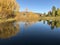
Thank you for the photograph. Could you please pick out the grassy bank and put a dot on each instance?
(7, 20)
(29, 19)
(49, 18)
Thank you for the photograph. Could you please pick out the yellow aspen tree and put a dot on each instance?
(8, 8)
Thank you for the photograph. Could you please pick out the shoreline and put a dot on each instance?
(7, 20)
(49, 18)
(40, 18)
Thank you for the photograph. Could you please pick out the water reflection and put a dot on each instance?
(34, 32)
(8, 30)
(53, 24)
(28, 24)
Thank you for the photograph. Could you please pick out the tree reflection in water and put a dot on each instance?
(54, 23)
(28, 24)
(8, 30)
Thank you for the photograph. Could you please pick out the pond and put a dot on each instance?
(37, 33)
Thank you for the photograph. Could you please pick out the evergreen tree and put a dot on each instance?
(53, 10)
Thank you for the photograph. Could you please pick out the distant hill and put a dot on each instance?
(29, 12)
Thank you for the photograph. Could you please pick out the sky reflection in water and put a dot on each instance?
(30, 32)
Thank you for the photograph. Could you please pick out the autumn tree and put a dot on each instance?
(8, 8)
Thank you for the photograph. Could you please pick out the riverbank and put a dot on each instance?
(7, 20)
(49, 18)
(29, 19)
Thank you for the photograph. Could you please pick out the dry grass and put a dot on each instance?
(27, 18)
(7, 20)
(49, 18)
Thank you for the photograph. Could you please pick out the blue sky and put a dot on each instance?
(39, 6)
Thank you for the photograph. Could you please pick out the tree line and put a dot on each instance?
(55, 12)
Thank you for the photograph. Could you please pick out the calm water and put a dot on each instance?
(28, 33)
